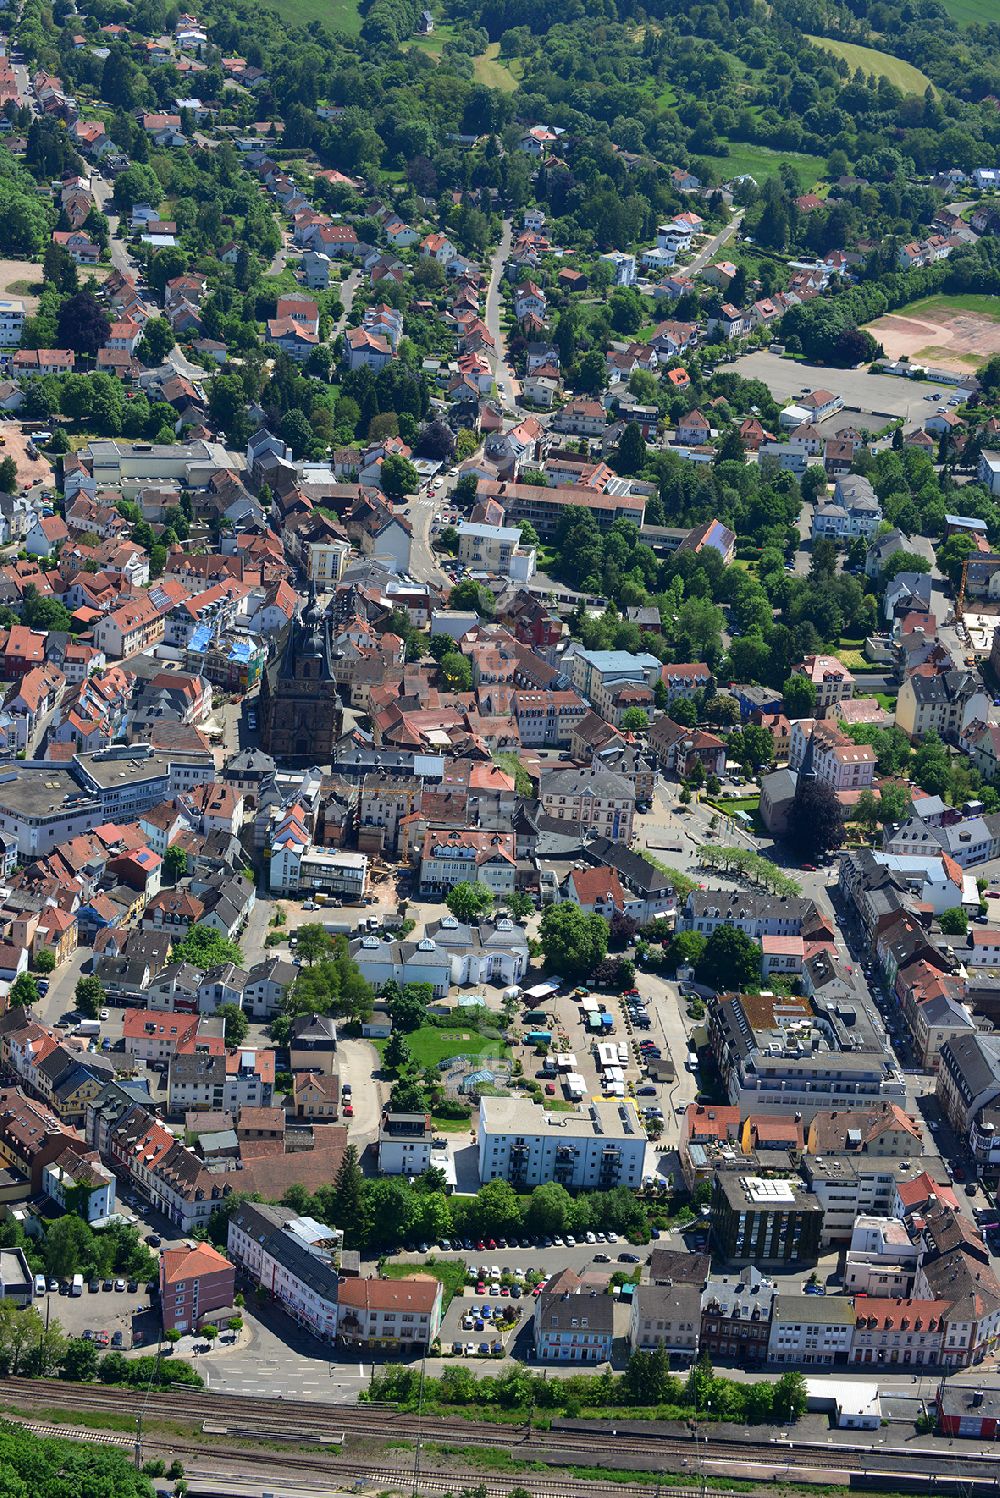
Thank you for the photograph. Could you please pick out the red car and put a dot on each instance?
(103, 1339)
(348, 1110)
(630, 993)
(550, 1089)
(809, 868)
(491, 1243)
(480, 1246)
(480, 1288)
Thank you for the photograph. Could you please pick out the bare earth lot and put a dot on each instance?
(945, 337)
(15, 275)
(15, 445)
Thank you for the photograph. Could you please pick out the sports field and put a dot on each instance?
(874, 63)
(947, 332)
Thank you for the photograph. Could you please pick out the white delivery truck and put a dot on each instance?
(76, 1288)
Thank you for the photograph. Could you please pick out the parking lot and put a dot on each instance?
(123, 1316)
(866, 394)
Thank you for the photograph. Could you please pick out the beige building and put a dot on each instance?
(830, 677)
(945, 702)
(665, 1316)
(590, 798)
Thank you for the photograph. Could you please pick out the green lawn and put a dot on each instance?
(970, 301)
(451, 1273)
(874, 63)
(339, 15)
(429, 1045)
(972, 12)
(488, 69)
(760, 162)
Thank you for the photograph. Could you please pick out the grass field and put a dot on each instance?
(339, 15)
(760, 162)
(876, 64)
(429, 1045)
(451, 1273)
(492, 73)
(933, 306)
(972, 12)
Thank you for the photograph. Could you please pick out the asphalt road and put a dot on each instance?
(424, 566)
(714, 245)
(506, 384)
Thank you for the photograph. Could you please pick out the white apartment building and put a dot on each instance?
(811, 1331)
(598, 1147)
(295, 1259)
(11, 322)
(881, 1259)
(496, 549)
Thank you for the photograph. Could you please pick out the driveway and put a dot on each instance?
(357, 1063)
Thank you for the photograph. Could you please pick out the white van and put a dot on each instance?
(39, 1284)
(76, 1288)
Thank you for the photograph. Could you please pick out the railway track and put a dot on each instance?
(390, 1477)
(571, 1443)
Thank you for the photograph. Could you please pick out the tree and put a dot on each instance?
(350, 1209)
(203, 948)
(408, 1007)
(573, 943)
(8, 475)
(456, 672)
(895, 803)
(237, 1025)
(79, 1361)
(68, 1245)
(175, 863)
(45, 961)
(209, 1332)
(156, 342)
(731, 960)
(90, 996)
(800, 696)
(314, 943)
(549, 1211)
(436, 441)
(23, 991)
(469, 595)
(686, 949)
(789, 1397)
(519, 904)
(815, 820)
(468, 902)
(954, 922)
(82, 324)
(931, 766)
(634, 720)
(138, 183)
(397, 1054)
(399, 477)
(630, 454)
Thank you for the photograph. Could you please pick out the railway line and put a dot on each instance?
(566, 1443)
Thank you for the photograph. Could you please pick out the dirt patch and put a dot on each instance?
(957, 340)
(15, 445)
(15, 276)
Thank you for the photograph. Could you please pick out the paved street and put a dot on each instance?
(507, 385)
(714, 245)
(423, 562)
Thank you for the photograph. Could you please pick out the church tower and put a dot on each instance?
(300, 714)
